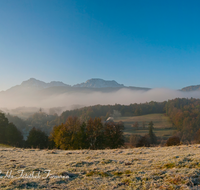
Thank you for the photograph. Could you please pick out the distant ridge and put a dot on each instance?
(91, 84)
(94, 84)
(99, 83)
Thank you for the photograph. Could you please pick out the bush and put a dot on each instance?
(134, 140)
(144, 141)
(173, 141)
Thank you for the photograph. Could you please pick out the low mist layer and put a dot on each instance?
(76, 100)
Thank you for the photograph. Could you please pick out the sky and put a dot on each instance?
(146, 43)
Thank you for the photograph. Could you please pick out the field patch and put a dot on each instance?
(162, 125)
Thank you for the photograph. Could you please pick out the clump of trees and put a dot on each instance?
(185, 116)
(74, 134)
(9, 134)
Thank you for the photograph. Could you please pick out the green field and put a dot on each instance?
(162, 125)
(5, 146)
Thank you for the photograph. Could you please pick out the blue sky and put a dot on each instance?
(147, 43)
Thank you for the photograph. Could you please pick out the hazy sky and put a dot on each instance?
(138, 43)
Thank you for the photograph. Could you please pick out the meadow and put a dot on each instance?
(162, 125)
(142, 168)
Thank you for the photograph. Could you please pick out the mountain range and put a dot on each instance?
(90, 85)
(94, 84)
(36, 93)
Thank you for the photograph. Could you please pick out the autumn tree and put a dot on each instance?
(70, 135)
(114, 134)
(95, 133)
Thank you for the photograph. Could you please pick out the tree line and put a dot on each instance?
(185, 116)
(105, 111)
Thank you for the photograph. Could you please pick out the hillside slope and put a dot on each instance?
(191, 88)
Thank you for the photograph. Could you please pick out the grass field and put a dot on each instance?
(162, 124)
(161, 168)
(5, 146)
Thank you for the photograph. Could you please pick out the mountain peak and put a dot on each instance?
(32, 82)
(99, 83)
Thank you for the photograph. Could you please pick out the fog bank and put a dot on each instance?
(74, 100)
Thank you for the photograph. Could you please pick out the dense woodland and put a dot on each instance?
(9, 134)
(77, 124)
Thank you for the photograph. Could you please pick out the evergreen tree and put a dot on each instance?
(13, 135)
(37, 139)
(152, 136)
(9, 134)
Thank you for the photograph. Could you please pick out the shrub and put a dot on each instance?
(134, 140)
(173, 141)
(144, 141)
